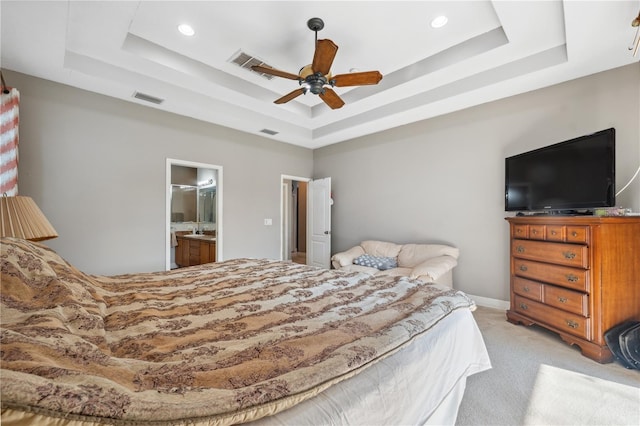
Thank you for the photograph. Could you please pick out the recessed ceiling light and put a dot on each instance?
(186, 29)
(439, 21)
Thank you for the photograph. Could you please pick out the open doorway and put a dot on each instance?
(294, 219)
(306, 220)
(194, 209)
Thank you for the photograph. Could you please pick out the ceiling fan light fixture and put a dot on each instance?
(305, 71)
(186, 30)
(439, 21)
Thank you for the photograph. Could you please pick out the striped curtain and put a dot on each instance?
(9, 142)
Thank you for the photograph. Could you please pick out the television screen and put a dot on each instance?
(571, 175)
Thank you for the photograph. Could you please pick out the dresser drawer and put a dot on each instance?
(561, 320)
(556, 232)
(562, 254)
(527, 288)
(574, 278)
(521, 231)
(568, 300)
(537, 232)
(577, 234)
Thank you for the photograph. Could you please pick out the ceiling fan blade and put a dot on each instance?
(277, 73)
(357, 78)
(323, 57)
(289, 96)
(331, 98)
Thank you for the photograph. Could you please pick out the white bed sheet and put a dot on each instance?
(423, 383)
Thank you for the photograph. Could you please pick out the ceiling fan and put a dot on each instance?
(316, 77)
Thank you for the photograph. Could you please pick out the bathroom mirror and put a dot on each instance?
(184, 203)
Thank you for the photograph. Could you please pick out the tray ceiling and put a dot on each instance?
(487, 51)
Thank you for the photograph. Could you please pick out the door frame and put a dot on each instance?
(173, 161)
(283, 225)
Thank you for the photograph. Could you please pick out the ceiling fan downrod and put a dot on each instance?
(315, 25)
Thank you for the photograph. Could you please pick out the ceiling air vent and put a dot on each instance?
(246, 61)
(147, 98)
(269, 132)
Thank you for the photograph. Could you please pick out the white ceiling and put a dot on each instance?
(487, 51)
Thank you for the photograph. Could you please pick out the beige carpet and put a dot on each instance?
(537, 379)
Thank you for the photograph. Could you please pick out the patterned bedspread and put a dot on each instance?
(221, 343)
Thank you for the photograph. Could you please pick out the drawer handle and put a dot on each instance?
(526, 289)
(523, 268)
(523, 306)
(553, 232)
(520, 249)
(572, 278)
(569, 255)
(572, 324)
(574, 234)
(562, 299)
(533, 231)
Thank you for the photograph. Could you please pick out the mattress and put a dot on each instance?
(423, 383)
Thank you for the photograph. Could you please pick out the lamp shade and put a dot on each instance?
(21, 218)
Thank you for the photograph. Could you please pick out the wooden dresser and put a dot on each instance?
(576, 275)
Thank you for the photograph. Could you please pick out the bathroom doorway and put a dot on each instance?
(193, 205)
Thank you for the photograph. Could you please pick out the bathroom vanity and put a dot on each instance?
(195, 249)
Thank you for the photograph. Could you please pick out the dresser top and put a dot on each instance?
(577, 220)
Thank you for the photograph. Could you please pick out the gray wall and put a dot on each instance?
(442, 180)
(96, 167)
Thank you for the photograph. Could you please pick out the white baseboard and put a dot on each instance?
(490, 303)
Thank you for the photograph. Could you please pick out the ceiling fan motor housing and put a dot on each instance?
(315, 82)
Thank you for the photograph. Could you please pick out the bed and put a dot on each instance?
(241, 341)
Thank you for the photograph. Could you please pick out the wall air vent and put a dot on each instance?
(147, 98)
(269, 132)
(246, 61)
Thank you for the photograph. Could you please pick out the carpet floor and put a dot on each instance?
(537, 379)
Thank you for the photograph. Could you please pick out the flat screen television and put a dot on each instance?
(566, 177)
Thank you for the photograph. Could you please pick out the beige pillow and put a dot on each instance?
(413, 254)
(434, 268)
(381, 248)
(346, 257)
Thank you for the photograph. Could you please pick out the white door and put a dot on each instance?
(319, 223)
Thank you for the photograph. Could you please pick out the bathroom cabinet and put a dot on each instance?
(195, 249)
